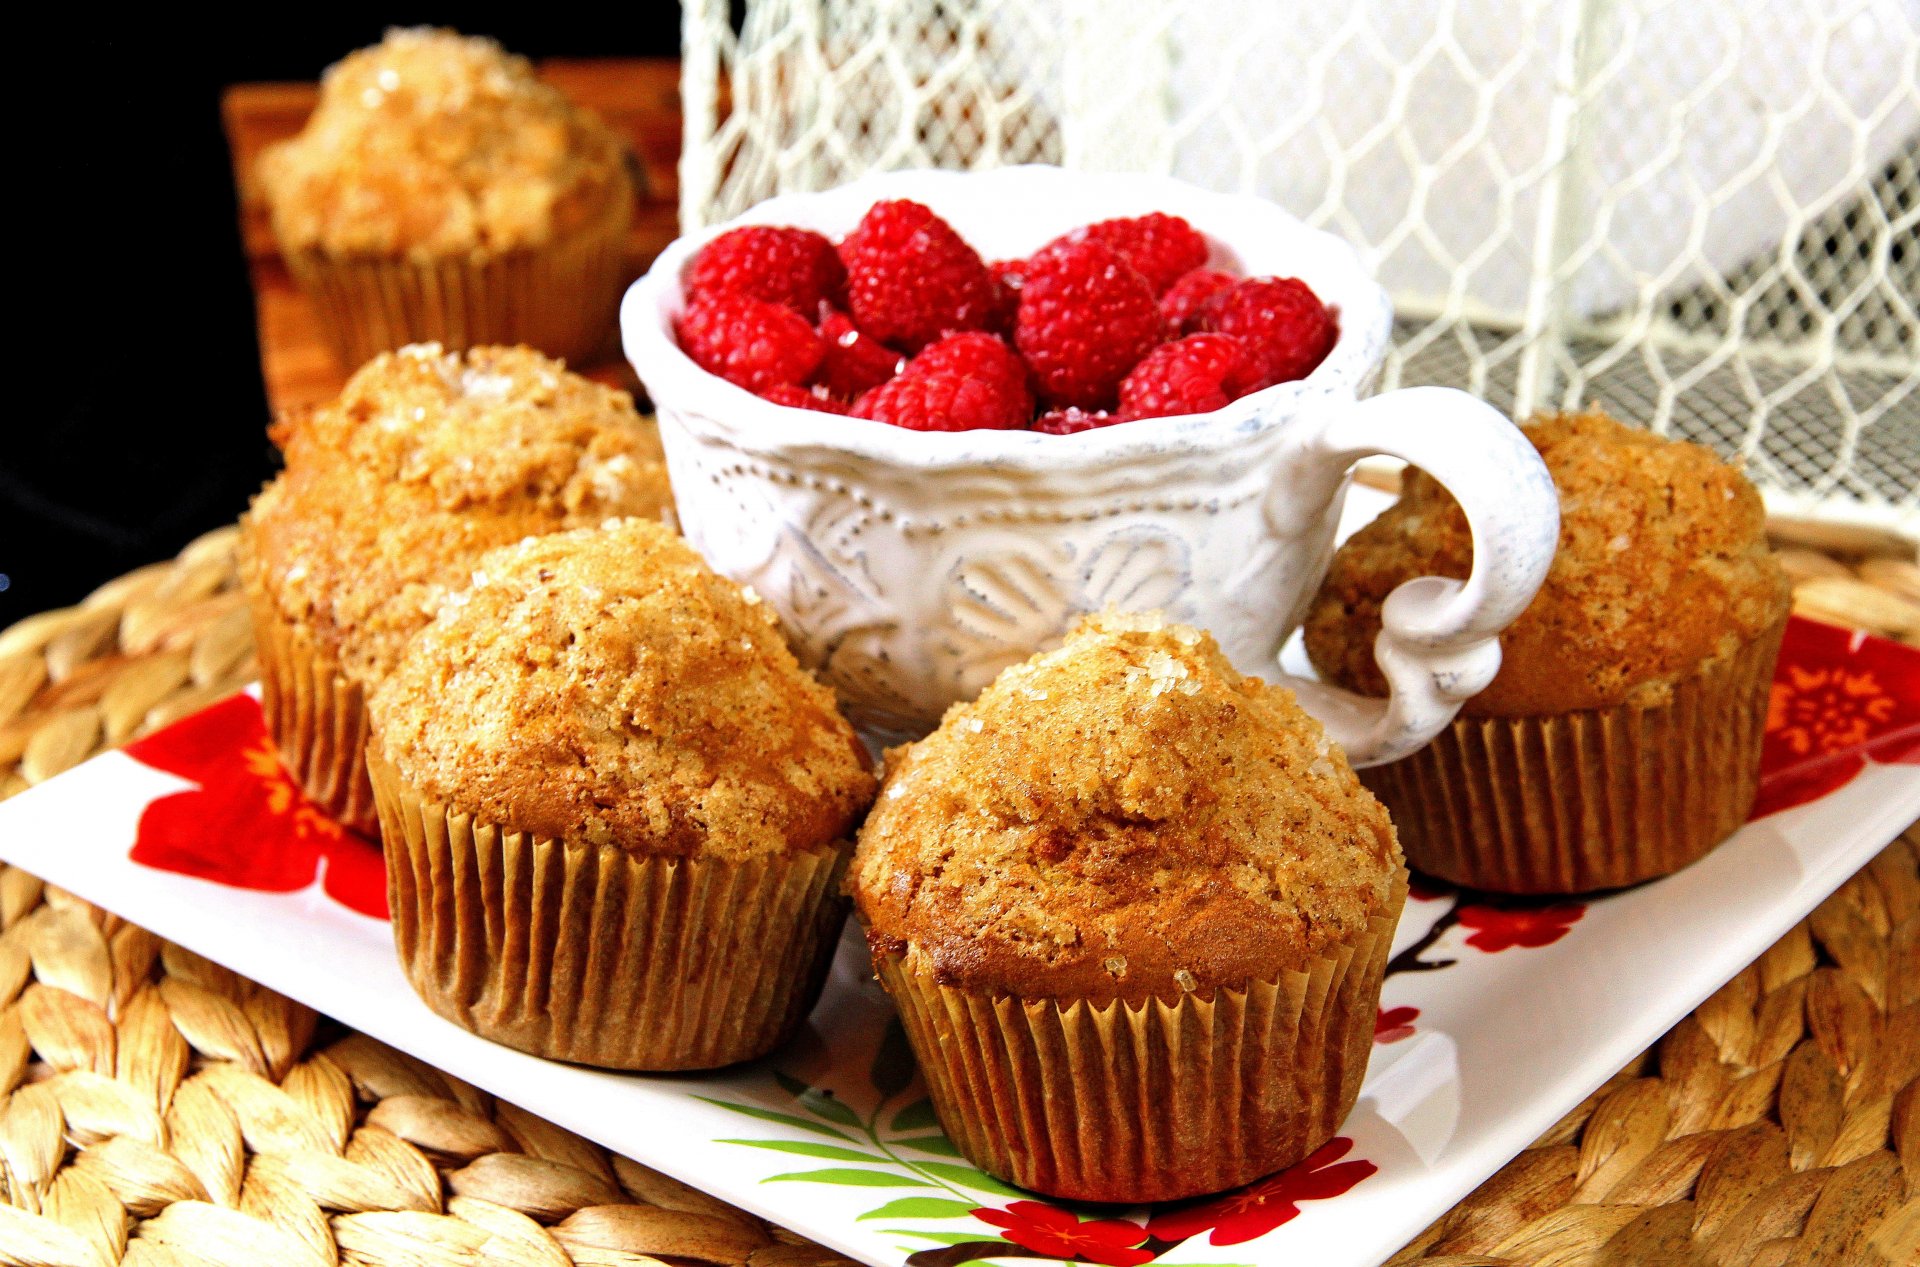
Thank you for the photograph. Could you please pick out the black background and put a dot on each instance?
(138, 415)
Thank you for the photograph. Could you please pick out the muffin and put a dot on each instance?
(1135, 909)
(442, 192)
(617, 811)
(1621, 739)
(427, 459)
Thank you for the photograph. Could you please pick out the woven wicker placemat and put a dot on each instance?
(160, 1109)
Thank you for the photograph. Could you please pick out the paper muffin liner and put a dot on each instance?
(317, 717)
(1574, 802)
(1147, 1101)
(587, 953)
(559, 298)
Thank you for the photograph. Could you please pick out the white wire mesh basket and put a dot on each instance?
(1703, 216)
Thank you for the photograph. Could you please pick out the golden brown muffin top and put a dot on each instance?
(1123, 817)
(436, 144)
(1662, 566)
(605, 685)
(427, 459)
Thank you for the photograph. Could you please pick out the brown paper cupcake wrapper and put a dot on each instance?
(589, 954)
(1148, 1101)
(317, 717)
(559, 298)
(1587, 800)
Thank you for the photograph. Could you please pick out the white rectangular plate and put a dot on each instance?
(1498, 1016)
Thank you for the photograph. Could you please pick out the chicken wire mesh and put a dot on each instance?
(1703, 216)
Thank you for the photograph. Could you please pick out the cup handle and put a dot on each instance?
(1438, 642)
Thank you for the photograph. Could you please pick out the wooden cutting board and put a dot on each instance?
(639, 97)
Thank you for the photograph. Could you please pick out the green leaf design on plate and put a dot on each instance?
(930, 1144)
(918, 1116)
(893, 1066)
(968, 1177)
(816, 1101)
(772, 1115)
(806, 1148)
(848, 1177)
(920, 1208)
(947, 1238)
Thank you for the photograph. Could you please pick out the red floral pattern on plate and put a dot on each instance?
(1257, 1209)
(1059, 1233)
(247, 824)
(1391, 1024)
(1497, 928)
(1840, 699)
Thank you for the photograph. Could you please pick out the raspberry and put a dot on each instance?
(978, 355)
(1194, 375)
(1072, 421)
(1286, 329)
(854, 362)
(1183, 301)
(1085, 319)
(965, 382)
(1009, 273)
(911, 279)
(748, 341)
(989, 383)
(1159, 246)
(814, 398)
(1008, 276)
(795, 267)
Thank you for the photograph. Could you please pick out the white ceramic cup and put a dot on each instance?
(911, 567)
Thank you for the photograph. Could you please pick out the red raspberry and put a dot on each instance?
(748, 341)
(1008, 276)
(978, 355)
(911, 279)
(1009, 273)
(1182, 303)
(965, 382)
(1159, 246)
(1194, 375)
(854, 362)
(1085, 319)
(1072, 421)
(795, 267)
(1286, 328)
(814, 398)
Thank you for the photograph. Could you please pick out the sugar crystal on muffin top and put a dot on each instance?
(1124, 816)
(1662, 567)
(605, 685)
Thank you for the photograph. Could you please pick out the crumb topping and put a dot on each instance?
(434, 143)
(1662, 567)
(425, 460)
(1124, 816)
(605, 685)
